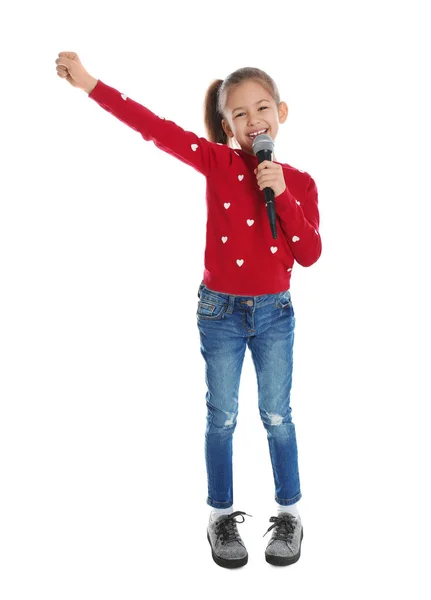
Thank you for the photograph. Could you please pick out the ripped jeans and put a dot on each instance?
(227, 324)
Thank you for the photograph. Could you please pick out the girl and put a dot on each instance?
(244, 297)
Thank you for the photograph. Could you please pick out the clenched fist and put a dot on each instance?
(69, 67)
(270, 175)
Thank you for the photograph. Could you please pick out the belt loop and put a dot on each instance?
(231, 304)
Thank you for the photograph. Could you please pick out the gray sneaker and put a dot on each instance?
(284, 547)
(228, 549)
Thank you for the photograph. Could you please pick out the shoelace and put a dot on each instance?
(284, 525)
(227, 527)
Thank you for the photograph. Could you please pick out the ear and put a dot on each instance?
(226, 128)
(283, 109)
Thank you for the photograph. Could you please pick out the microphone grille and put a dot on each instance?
(263, 142)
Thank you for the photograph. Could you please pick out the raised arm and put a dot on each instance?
(195, 151)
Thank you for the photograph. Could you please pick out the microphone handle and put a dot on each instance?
(270, 208)
(269, 194)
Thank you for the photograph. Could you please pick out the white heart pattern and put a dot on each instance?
(274, 249)
(295, 238)
(250, 222)
(240, 177)
(124, 96)
(224, 239)
(316, 232)
(298, 202)
(239, 262)
(226, 205)
(194, 147)
(289, 269)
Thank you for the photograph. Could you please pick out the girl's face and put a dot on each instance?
(250, 109)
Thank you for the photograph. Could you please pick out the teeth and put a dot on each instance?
(257, 133)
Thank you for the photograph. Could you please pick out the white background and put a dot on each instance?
(102, 237)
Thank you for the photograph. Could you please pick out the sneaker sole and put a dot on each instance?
(282, 561)
(224, 562)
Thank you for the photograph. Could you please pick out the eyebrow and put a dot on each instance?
(258, 102)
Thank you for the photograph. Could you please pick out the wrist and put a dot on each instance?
(282, 192)
(90, 84)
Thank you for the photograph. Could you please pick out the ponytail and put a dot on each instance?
(212, 115)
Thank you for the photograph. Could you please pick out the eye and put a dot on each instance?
(263, 107)
(238, 115)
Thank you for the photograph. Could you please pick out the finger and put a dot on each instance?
(66, 58)
(62, 62)
(266, 166)
(266, 175)
(267, 183)
(71, 55)
(269, 164)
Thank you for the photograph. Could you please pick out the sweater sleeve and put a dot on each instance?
(300, 224)
(198, 152)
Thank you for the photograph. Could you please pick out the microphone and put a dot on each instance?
(263, 147)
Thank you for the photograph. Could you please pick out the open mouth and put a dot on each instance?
(256, 133)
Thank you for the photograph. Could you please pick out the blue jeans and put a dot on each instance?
(227, 324)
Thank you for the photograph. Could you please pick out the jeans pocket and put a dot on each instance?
(284, 300)
(210, 310)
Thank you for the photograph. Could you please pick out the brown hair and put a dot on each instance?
(216, 97)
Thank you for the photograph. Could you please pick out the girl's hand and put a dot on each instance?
(69, 67)
(270, 174)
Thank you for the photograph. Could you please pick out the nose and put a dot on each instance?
(253, 119)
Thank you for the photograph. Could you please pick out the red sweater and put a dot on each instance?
(241, 256)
